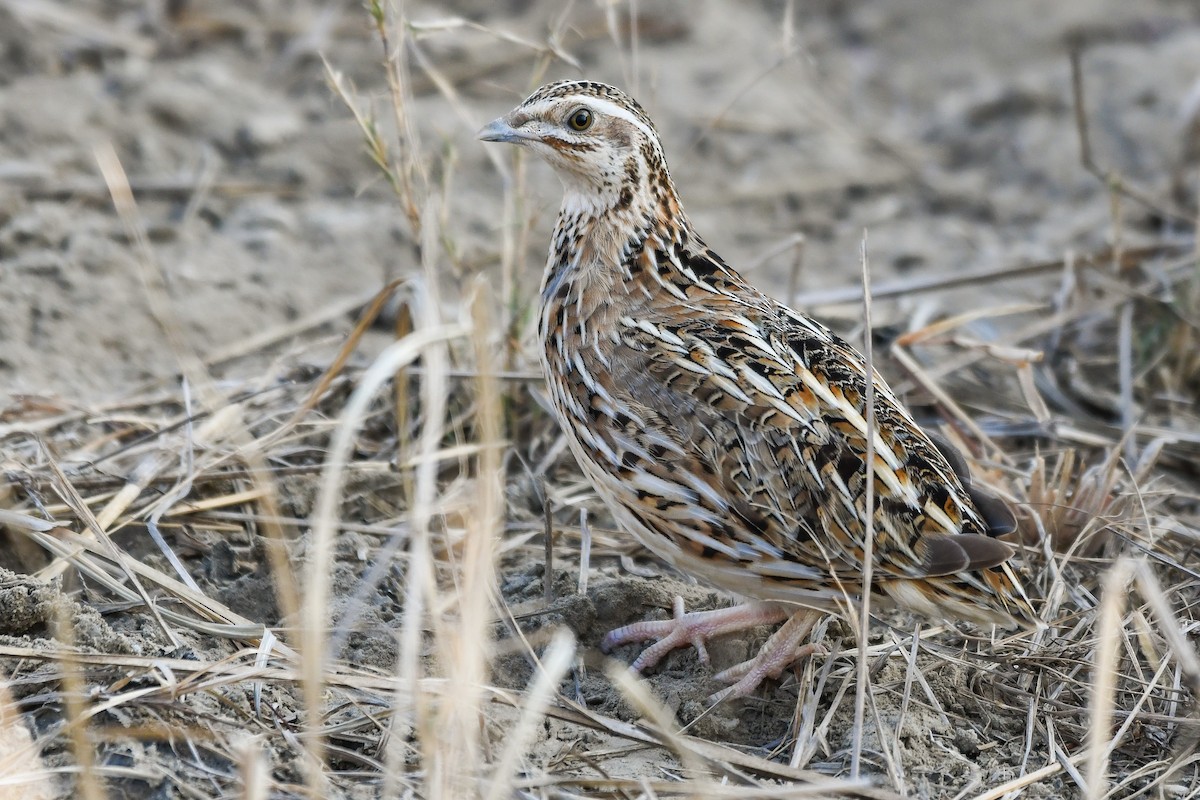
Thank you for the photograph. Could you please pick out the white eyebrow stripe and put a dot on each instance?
(601, 105)
(614, 110)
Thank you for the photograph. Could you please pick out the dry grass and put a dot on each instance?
(412, 479)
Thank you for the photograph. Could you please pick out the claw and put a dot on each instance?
(783, 649)
(694, 628)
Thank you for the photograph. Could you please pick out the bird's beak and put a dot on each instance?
(502, 130)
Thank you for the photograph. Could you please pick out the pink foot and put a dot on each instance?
(694, 629)
(783, 649)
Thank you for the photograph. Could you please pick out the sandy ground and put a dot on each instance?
(946, 133)
(943, 130)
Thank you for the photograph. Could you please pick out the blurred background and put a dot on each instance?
(945, 130)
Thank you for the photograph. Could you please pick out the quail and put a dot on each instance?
(725, 431)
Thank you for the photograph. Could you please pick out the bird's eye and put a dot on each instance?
(580, 119)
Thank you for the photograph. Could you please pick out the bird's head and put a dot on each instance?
(596, 137)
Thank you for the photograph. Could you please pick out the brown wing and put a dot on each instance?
(758, 414)
(774, 403)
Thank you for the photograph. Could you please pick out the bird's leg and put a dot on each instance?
(695, 629)
(781, 650)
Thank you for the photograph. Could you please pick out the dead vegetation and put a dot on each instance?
(350, 577)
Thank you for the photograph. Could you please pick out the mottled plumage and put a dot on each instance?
(725, 430)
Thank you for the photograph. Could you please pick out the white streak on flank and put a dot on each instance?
(696, 280)
(843, 492)
(852, 416)
(638, 422)
(553, 280)
(584, 375)
(597, 389)
(702, 488)
(608, 406)
(705, 540)
(743, 325)
(757, 550)
(576, 259)
(809, 325)
(934, 512)
(747, 330)
(627, 444)
(770, 354)
(669, 336)
(886, 473)
(815, 386)
(907, 595)
(685, 363)
(709, 359)
(603, 359)
(760, 383)
(658, 487)
(649, 251)
(661, 334)
(792, 570)
(730, 388)
(669, 286)
(811, 466)
(574, 410)
(598, 444)
(626, 272)
(782, 407)
(579, 315)
(653, 437)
